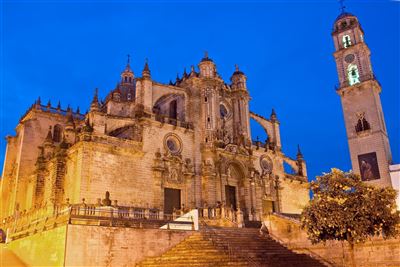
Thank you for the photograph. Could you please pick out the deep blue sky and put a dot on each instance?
(62, 51)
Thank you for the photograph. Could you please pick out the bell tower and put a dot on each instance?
(359, 91)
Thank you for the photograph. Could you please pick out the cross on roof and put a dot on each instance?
(342, 6)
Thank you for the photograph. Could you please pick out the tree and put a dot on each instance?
(346, 209)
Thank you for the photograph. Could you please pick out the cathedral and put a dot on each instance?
(165, 147)
(158, 174)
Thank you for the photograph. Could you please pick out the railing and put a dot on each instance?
(54, 110)
(361, 79)
(233, 252)
(165, 119)
(115, 212)
(296, 177)
(109, 215)
(30, 224)
(218, 213)
(122, 212)
(49, 217)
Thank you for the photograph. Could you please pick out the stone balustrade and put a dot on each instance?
(216, 213)
(121, 212)
(165, 119)
(40, 219)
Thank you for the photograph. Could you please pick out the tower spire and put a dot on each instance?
(273, 115)
(362, 111)
(299, 154)
(146, 70)
(95, 102)
(127, 75)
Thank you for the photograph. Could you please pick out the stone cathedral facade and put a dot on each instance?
(172, 146)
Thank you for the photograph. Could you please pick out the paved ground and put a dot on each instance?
(8, 258)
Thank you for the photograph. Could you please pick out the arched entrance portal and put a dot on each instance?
(234, 186)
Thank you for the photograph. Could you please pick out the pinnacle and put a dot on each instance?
(146, 70)
(49, 137)
(95, 102)
(273, 114)
(299, 154)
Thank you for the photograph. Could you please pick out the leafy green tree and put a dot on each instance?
(346, 209)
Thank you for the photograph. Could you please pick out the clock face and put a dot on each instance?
(349, 58)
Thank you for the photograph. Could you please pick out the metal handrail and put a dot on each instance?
(232, 251)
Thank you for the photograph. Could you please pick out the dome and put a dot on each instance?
(206, 58)
(344, 15)
(237, 71)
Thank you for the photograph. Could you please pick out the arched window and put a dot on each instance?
(173, 112)
(57, 133)
(346, 41)
(223, 111)
(362, 123)
(352, 74)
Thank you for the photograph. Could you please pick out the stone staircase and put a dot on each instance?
(8, 258)
(221, 246)
(219, 222)
(194, 251)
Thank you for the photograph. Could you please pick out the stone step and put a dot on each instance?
(184, 264)
(209, 248)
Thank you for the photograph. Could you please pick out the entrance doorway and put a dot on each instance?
(172, 199)
(230, 194)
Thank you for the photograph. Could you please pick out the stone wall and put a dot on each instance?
(19, 176)
(125, 168)
(365, 98)
(395, 177)
(41, 249)
(375, 252)
(113, 246)
(294, 195)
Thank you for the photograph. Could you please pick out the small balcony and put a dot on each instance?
(362, 78)
(179, 123)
